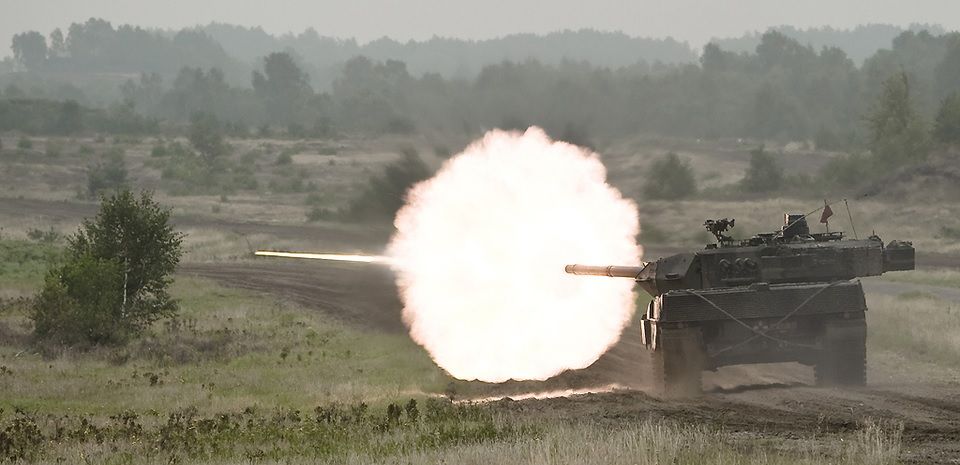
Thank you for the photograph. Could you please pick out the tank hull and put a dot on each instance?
(817, 324)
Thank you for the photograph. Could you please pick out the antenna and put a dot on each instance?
(852, 226)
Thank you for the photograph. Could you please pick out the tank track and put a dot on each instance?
(843, 355)
(677, 363)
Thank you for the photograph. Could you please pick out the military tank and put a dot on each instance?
(785, 296)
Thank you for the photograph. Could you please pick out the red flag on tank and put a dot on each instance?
(827, 213)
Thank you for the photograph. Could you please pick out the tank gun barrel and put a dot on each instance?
(632, 272)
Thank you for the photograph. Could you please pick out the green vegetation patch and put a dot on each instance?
(943, 277)
(24, 263)
(434, 431)
(915, 325)
(226, 350)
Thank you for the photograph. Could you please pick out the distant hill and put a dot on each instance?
(859, 43)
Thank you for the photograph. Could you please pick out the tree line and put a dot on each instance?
(781, 91)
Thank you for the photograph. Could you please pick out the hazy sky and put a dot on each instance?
(691, 20)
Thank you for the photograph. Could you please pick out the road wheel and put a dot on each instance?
(843, 354)
(677, 363)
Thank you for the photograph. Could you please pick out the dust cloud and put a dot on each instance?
(480, 250)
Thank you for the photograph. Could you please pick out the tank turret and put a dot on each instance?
(791, 255)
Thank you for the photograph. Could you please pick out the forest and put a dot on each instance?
(902, 96)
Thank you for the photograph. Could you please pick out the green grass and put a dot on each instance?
(329, 431)
(430, 432)
(915, 325)
(23, 265)
(942, 277)
(229, 349)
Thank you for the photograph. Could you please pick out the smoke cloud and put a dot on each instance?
(480, 250)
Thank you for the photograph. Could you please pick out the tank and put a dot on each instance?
(786, 296)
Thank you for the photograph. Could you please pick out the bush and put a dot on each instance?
(386, 194)
(670, 178)
(113, 282)
(47, 237)
(848, 170)
(192, 174)
(107, 175)
(319, 213)
(285, 158)
(24, 143)
(206, 136)
(159, 150)
(764, 173)
(81, 301)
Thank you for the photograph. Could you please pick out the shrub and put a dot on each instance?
(285, 158)
(24, 143)
(670, 178)
(206, 136)
(108, 174)
(385, 194)
(44, 236)
(81, 301)
(193, 174)
(848, 170)
(764, 173)
(113, 282)
(319, 213)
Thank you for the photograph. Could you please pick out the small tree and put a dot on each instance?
(947, 126)
(764, 173)
(114, 280)
(206, 136)
(670, 178)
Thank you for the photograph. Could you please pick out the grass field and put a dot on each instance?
(245, 377)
